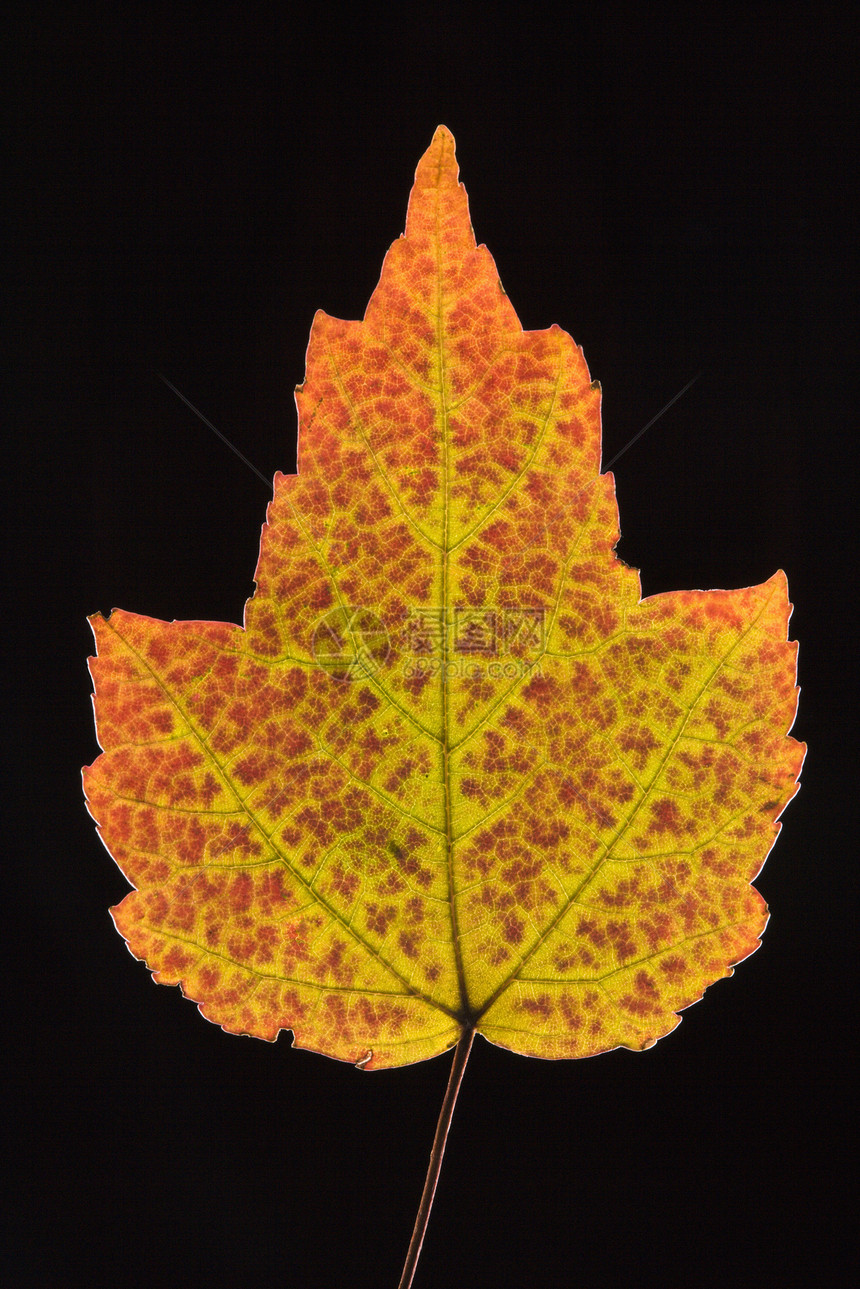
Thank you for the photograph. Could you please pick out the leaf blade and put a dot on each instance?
(422, 785)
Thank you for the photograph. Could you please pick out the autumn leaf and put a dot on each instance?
(453, 774)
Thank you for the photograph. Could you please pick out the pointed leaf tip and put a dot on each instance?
(442, 136)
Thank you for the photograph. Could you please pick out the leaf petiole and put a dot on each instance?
(458, 1068)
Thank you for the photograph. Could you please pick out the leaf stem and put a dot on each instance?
(458, 1068)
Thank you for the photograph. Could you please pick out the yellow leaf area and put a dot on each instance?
(452, 771)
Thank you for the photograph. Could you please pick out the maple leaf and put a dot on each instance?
(453, 774)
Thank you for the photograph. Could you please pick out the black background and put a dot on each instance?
(189, 187)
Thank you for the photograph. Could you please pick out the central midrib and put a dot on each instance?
(444, 741)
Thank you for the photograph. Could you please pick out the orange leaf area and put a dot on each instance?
(453, 770)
